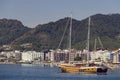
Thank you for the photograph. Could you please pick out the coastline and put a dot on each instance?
(45, 64)
(7, 63)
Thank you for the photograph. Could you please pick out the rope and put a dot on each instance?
(63, 34)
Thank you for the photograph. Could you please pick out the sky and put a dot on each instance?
(34, 12)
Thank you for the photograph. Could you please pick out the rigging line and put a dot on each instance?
(95, 44)
(64, 33)
(100, 42)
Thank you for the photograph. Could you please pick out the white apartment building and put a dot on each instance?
(100, 54)
(8, 54)
(30, 55)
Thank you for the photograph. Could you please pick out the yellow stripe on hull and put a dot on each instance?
(71, 69)
(88, 70)
(79, 69)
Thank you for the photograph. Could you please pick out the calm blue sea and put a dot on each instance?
(38, 72)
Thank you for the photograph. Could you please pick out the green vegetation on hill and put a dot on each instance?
(10, 30)
(48, 36)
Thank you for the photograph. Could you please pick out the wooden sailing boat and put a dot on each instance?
(88, 67)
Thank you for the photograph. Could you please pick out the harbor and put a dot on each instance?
(59, 40)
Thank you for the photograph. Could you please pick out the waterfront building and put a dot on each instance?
(3, 58)
(47, 56)
(59, 55)
(8, 53)
(84, 54)
(52, 55)
(72, 54)
(64, 55)
(103, 55)
(116, 56)
(30, 56)
(16, 54)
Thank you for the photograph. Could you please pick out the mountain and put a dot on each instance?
(10, 30)
(48, 36)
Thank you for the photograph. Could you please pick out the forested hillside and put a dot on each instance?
(10, 30)
(48, 36)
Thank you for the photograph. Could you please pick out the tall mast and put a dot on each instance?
(88, 38)
(70, 36)
(70, 32)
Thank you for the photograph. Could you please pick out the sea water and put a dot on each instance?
(40, 72)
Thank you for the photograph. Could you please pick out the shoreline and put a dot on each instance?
(7, 63)
(54, 64)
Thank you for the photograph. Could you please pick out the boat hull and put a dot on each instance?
(83, 69)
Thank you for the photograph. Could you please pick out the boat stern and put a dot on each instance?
(102, 70)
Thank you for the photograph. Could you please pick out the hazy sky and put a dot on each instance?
(34, 12)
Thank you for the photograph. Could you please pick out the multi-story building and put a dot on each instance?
(103, 55)
(64, 55)
(59, 55)
(16, 54)
(115, 56)
(30, 55)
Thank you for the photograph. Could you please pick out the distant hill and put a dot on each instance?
(48, 36)
(10, 30)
